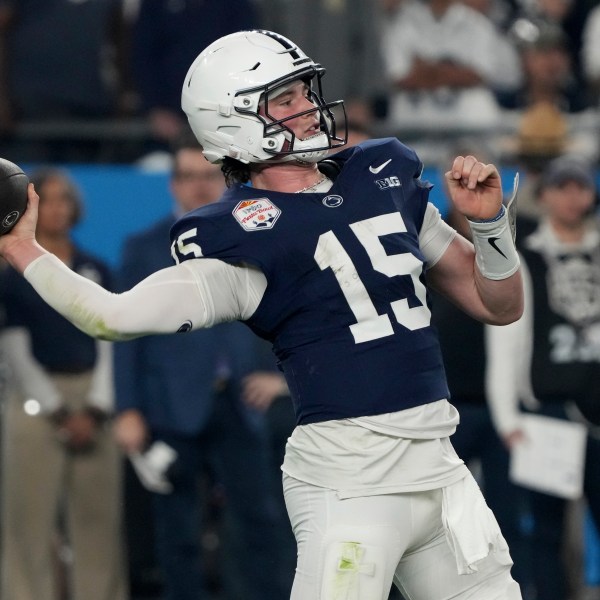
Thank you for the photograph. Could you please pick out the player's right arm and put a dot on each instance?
(194, 294)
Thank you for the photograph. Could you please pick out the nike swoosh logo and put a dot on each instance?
(380, 168)
(492, 242)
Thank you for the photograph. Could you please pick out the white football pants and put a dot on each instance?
(354, 549)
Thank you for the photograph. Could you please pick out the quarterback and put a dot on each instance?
(337, 278)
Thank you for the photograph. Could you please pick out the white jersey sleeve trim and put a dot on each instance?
(195, 294)
(435, 236)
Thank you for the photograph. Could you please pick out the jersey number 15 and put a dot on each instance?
(370, 325)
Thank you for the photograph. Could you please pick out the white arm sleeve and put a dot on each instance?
(508, 351)
(197, 293)
(435, 235)
(30, 377)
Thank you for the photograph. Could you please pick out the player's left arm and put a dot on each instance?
(483, 277)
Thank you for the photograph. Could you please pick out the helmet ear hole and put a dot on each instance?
(246, 103)
(273, 143)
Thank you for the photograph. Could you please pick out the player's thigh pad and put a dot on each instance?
(348, 549)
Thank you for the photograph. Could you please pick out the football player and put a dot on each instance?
(336, 278)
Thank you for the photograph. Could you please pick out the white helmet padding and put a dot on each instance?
(228, 81)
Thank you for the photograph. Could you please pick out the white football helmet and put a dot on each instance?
(227, 81)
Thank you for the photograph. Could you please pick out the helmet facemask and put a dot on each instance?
(279, 140)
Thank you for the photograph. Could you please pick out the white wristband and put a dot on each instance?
(495, 251)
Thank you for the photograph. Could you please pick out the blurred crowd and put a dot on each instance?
(130, 473)
(101, 80)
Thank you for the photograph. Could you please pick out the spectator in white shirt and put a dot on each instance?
(443, 62)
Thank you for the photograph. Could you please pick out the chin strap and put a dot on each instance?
(304, 150)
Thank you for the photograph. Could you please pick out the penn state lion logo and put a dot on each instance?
(10, 218)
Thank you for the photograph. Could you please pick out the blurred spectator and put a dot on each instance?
(542, 134)
(167, 37)
(569, 15)
(443, 63)
(501, 13)
(548, 71)
(180, 395)
(358, 74)
(547, 362)
(590, 55)
(61, 60)
(61, 468)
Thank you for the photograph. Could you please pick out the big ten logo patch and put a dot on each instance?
(254, 215)
(388, 182)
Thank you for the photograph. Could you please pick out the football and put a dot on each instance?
(13, 194)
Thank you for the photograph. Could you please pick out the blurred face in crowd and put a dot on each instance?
(58, 207)
(569, 203)
(556, 10)
(547, 67)
(195, 182)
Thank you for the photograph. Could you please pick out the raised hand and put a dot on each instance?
(475, 188)
(19, 246)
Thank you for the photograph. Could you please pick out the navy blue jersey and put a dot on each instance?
(345, 306)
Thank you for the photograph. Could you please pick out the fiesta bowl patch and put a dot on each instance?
(254, 215)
